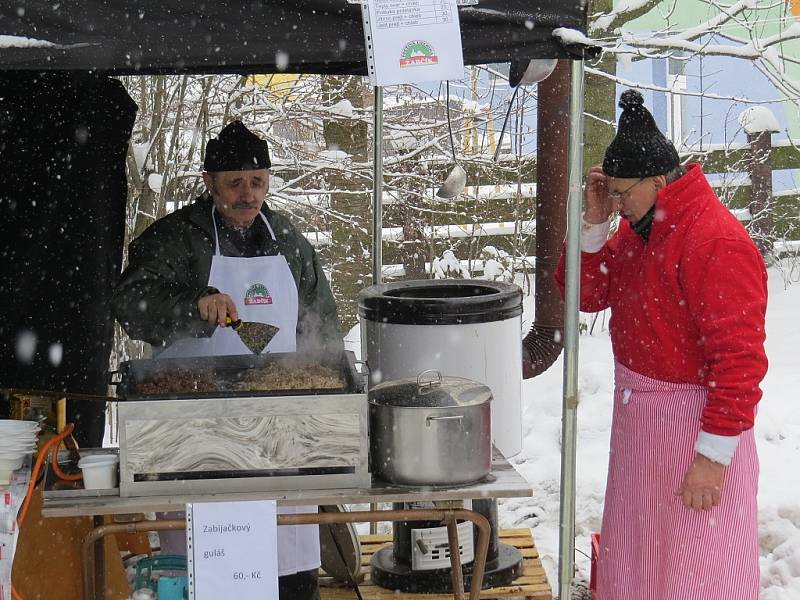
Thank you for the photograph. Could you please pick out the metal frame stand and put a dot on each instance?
(448, 517)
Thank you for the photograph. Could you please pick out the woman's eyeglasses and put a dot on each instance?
(617, 196)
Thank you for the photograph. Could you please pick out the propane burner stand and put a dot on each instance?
(413, 564)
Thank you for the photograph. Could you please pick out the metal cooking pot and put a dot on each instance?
(430, 430)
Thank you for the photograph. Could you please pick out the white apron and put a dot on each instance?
(264, 291)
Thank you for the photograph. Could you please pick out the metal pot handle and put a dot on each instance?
(364, 373)
(362, 363)
(430, 383)
(445, 418)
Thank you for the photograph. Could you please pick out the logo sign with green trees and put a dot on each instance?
(257, 294)
(418, 53)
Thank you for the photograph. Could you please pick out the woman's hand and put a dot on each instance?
(598, 204)
(702, 485)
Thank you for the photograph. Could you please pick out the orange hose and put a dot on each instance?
(57, 469)
(52, 443)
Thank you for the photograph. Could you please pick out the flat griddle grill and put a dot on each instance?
(228, 373)
(236, 439)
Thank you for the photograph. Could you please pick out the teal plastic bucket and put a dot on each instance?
(169, 564)
(172, 588)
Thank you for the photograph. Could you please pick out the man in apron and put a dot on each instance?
(687, 291)
(228, 255)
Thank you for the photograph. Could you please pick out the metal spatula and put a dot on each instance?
(256, 336)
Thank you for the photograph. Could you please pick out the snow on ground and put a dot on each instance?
(777, 434)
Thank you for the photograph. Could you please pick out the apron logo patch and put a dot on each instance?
(257, 294)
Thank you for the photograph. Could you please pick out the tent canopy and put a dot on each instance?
(257, 36)
(71, 123)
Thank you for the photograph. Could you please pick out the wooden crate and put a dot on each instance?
(532, 585)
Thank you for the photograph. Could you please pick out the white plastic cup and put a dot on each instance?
(99, 471)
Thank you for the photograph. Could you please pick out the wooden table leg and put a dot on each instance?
(87, 573)
(99, 566)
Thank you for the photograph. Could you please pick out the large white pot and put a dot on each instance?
(462, 328)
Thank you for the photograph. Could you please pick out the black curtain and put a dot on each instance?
(63, 192)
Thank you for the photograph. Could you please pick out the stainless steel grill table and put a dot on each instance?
(503, 482)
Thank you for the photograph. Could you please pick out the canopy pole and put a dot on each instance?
(566, 563)
(377, 187)
(377, 208)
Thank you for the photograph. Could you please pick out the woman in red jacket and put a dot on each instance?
(687, 291)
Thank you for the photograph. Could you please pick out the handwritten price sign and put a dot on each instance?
(233, 551)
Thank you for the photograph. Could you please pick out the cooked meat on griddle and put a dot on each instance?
(178, 382)
(291, 376)
(280, 375)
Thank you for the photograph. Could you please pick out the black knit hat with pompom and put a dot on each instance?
(639, 148)
(236, 148)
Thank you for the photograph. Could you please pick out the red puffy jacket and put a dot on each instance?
(689, 305)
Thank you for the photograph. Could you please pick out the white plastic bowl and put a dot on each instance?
(17, 445)
(18, 441)
(18, 437)
(22, 432)
(8, 454)
(99, 471)
(10, 426)
(11, 463)
(5, 475)
(14, 449)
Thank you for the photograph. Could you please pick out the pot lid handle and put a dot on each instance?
(421, 384)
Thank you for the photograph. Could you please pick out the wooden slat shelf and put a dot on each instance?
(532, 585)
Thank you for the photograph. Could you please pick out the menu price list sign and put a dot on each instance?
(232, 550)
(408, 13)
(412, 41)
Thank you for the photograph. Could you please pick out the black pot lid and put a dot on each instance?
(430, 390)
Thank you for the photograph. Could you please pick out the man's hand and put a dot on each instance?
(215, 307)
(598, 204)
(702, 485)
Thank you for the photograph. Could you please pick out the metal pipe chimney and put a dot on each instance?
(543, 344)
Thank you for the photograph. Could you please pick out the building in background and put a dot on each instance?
(708, 90)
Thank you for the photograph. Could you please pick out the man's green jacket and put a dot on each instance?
(168, 268)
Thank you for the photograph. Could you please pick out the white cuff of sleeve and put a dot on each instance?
(594, 235)
(719, 448)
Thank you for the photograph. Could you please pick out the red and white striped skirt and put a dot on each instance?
(651, 546)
